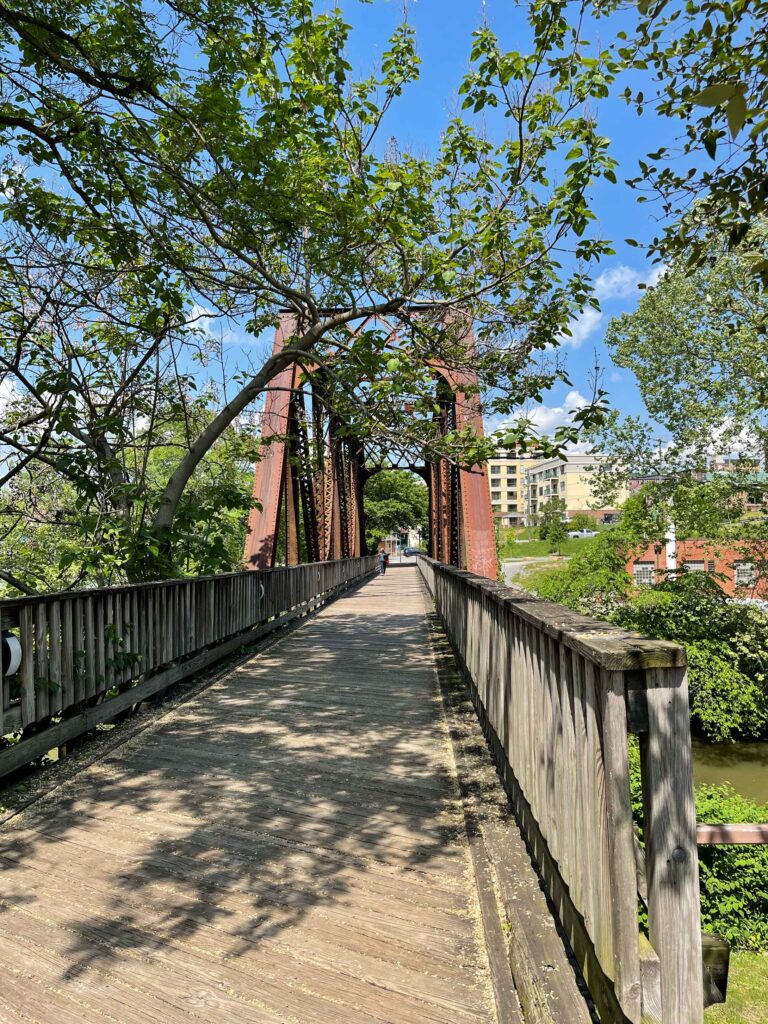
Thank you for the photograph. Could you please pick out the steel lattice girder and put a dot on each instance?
(325, 506)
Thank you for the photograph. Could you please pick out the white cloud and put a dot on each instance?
(616, 377)
(217, 329)
(656, 273)
(202, 319)
(547, 418)
(623, 282)
(9, 394)
(619, 282)
(583, 327)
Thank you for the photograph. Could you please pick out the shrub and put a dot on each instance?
(582, 521)
(733, 879)
(727, 648)
(595, 582)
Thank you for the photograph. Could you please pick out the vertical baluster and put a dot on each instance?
(118, 632)
(621, 853)
(100, 641)
(78, 643)
(189, 618)
(109, 641)
(136, 635)
(29, 713)
(42, 673)
(671, 856)
(90, 685)
(68, 648)
(152, 606)
(54, 657)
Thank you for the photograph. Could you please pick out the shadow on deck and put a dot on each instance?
(288, 846)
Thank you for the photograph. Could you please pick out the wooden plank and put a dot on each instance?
(731, 834)
(670, 846)
(100, 644)
(67, 654)
(26, 637)
(42, 672)
(108, 604)
(136, 636)
(79, 655)
(54, 656)
(90, 683)
(621, 844)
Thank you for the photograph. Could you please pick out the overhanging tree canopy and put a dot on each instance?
(165, 165)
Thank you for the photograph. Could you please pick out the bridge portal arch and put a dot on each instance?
(311, 473)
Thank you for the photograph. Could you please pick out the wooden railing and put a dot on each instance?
(557, 695)
(87, 656)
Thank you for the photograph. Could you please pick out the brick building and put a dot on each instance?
(740, 571)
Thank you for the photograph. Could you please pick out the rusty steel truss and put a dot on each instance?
(310, 477)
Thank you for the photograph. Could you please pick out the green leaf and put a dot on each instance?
(714, 95)
(736, 112)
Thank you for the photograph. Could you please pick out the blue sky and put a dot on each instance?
(444, 29)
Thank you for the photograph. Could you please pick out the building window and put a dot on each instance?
(496, 508)
(495, 495)
(711, 565)
(744, 574)
(495, 470)
(643, 574)
(692, 565)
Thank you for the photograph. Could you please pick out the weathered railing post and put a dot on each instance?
(670, 845)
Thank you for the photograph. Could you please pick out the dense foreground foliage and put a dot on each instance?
(733, 879)
(726, 643)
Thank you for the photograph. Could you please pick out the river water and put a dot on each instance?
(744, 765)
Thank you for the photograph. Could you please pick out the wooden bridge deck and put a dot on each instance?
(288, 846)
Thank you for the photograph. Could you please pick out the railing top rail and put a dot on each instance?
(12, 603)
(606, 645)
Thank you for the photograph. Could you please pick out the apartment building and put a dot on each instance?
(573, 481)
(506, 478)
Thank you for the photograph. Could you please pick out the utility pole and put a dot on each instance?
(671, 545)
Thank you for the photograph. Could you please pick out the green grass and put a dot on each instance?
(747, 992)
(538, 548)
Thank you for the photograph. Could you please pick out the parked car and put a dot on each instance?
(582, 533)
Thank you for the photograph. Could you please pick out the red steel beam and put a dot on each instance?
(478, 536)
(271, 475)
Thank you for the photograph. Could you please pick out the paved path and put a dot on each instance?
(288, 846)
